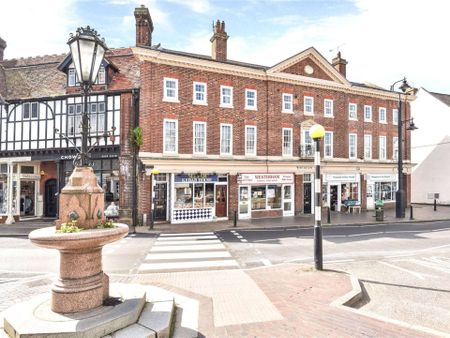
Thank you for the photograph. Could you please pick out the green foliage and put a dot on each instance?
(137, 136)
(69, 227)
(105, 225)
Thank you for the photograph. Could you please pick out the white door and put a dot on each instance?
(244, 202)
(288, 200)
(370, 197)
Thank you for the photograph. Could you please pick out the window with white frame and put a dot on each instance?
(352, 146)
(250, 99)
(328, 108)
(367, 146)
(97, 118)
(226, 96)
(395, 116)
(395, 148)
(287, 141)
(308, 105)
(288, 101)
(250, 140)
(352, 112)
(226, 139)
(367, 113)
(170, 89)
(199, 93)
(328, 144)
(199, 137)
(170, 136)
(382, 115)
(30, 110)
(71, 77)
(382, 146)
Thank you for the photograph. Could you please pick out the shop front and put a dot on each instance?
(265, 195)
(380, 187)
(341, 190)
(19, 191)
(199, 197)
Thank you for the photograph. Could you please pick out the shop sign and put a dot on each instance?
(382, 177)
(341, 178)
(30, 176)
(184, 178)
(266, 179)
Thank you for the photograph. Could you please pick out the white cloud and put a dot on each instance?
(198, 6)
(33, 28)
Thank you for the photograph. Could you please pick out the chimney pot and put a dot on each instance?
(340, 64)
(144, 26)
(219, 42)
(2, 48)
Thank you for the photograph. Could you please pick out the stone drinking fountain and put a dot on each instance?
(82, 284)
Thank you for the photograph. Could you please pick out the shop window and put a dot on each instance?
(3, 194)
(209, 195)
(273, 197)
(183, 195)
(385, 191)
(349, 191)
(259, 198)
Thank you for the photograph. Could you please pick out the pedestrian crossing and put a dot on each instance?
(187, 252)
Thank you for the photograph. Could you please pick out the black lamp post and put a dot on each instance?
(317, 133)
(87, 51)
(400, 193)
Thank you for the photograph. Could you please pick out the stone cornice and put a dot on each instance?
(165, 58)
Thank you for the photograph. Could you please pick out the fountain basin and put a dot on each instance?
(82, 285)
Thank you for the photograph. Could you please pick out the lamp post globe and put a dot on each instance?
(317, 131)
(87, 50)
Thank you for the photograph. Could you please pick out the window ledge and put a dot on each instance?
(328, 116)
(251, 108)
(171, 100)
(200, 103)
(288, 111)
(226, 106)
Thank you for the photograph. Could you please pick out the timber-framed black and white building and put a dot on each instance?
(40, 124)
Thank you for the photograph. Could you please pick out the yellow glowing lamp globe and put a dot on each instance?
(317, 131)
(155, 171)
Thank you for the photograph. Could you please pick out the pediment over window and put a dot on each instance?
(309, 63)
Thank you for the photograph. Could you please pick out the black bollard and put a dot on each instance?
(434, 204)
(328, 215)
(411, 213)
(235, 219)
(152, 221)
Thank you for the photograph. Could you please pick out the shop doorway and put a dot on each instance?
(307, 198)
(160, 201)
(244, 202)
(50, 198)
(27, 198)
(221, 200)
(334, 197)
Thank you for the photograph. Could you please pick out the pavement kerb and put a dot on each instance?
(352, 297)
(327, 225)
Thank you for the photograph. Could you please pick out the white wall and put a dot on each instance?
(428, 149)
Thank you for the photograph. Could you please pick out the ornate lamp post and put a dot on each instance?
(317, 133)
(87, 51)
(400, 193)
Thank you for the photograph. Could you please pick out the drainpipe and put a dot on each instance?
(135, 105)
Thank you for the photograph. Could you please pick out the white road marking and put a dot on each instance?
(187, 242)
(187, 234)
(185, 238)
(366, 234)
(266, 262)
(340, 261)
(187, 255)
(244, 240)
(202, 247)
(187, 265)
(416, 274)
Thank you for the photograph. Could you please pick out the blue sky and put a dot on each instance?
(383, 40)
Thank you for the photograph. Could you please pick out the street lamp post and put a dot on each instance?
(400, 193)
(317, 133)
(87, 51)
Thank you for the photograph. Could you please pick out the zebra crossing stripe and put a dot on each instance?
(187, 265)
(188, 242)
(187, 255)
(187, 234)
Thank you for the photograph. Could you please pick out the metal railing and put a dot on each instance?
(307, 151)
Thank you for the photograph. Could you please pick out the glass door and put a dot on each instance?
(244, 205)
(288, 200)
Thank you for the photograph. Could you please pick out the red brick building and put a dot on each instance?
(224, 136)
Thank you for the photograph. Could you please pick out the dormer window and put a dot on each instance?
(72, 78)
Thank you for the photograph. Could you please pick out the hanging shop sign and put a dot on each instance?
(198, 177)
(265, 179)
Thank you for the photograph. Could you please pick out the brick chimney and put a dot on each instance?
(219, 41)
(144, 26)
(2, 48)
(340, 64)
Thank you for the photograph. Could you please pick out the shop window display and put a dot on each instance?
(349, 191)
(203, 195)
(259, 198)
(273, 197)
(183, 196)
(385, 191)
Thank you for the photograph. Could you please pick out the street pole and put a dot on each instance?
(85, 127)
(318, 254)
